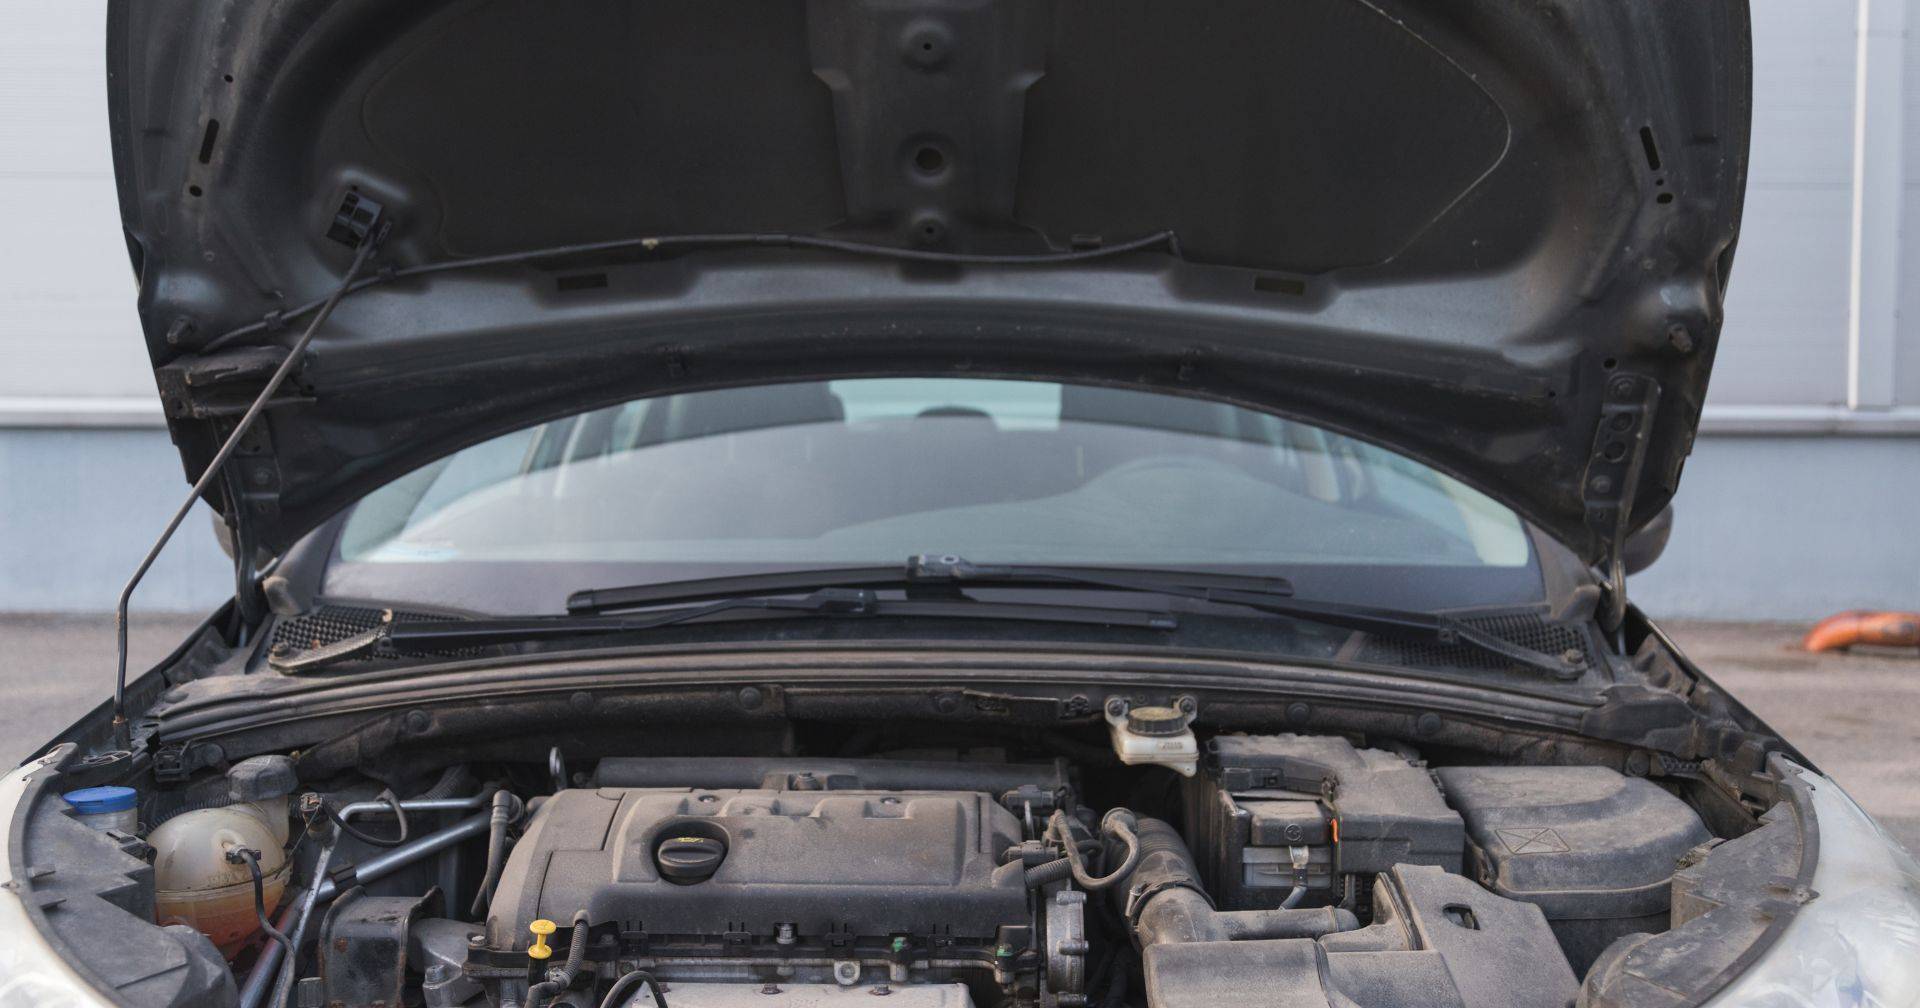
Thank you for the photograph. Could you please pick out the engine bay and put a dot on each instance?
(1169, 868)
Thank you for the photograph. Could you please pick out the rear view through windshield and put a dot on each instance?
(875, 470)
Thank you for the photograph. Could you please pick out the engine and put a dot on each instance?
(814, 879)
(772, 887)
(1331, 872)
(1293, 870)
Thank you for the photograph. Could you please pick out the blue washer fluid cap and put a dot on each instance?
(94, 800)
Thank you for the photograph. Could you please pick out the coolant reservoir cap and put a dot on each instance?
(107, 798)
(689, 859)
(1156, 721)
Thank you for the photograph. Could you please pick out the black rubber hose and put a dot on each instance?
(1286, 922)
(1049, 873)
(538, 994)
(393, 802)
(252, 858)
(1117, 824)
(1164, 901)
(453, 781)
(506, 808)
(622, 989)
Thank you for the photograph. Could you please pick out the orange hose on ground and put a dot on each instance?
(1883, 629)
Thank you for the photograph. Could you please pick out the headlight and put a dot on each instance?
(1857, 942)
(31, 972)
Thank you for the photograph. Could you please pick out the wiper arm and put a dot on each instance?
(927, 570)
(1418, 625)
(438, 636)
(1273, 595)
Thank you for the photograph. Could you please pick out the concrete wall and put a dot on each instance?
(1799, 498)
(1790, 528)
(80, 508)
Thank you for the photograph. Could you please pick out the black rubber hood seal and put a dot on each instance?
(1493, 236)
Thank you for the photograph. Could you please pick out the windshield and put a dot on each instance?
(871, 471)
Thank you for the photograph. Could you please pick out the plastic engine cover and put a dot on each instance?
(1264, 794)
(1593, 849)
(1437, 941)
(744, 862)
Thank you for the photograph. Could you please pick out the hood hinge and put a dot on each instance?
(1612, 479)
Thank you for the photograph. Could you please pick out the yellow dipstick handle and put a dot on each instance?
(541, 929)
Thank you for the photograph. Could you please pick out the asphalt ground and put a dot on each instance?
(1856, 716)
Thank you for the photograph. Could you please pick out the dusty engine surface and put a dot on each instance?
(1294, 869)
(830, 876)
(823, 865)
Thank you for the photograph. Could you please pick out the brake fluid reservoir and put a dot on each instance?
(1153, 736)
(196, 885)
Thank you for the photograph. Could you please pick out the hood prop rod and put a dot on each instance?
(121, 734)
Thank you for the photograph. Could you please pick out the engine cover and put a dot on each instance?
(753, 866)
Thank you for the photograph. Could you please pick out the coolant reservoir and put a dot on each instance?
(1154, 736)
(195, 883)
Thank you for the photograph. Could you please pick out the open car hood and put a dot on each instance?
(1491, 235)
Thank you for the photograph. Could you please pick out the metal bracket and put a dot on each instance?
(363, 945)
(1612, 479)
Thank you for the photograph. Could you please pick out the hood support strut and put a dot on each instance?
(243, 562)
(1612, 478)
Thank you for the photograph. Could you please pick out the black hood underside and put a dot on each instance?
(1491, 235)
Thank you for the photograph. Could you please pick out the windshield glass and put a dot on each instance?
(872, 471)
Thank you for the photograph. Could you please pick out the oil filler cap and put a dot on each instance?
(1156, 721)
(685, 860)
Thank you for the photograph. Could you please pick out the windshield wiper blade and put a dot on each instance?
(441, 636)
(924, 571)
(1272, 595)
(1418, 625)
(1275, 598)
